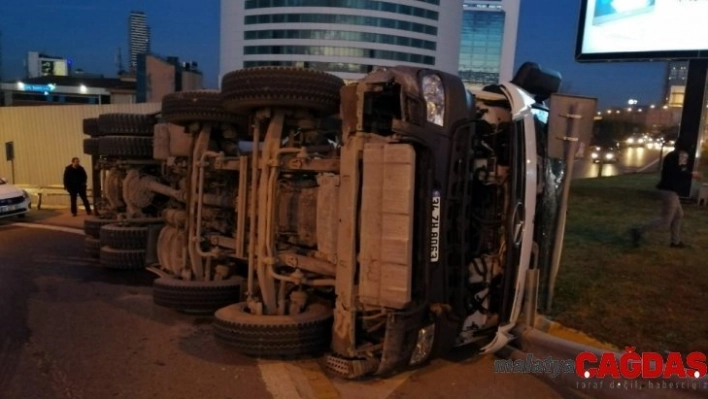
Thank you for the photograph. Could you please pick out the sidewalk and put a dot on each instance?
(56, 216)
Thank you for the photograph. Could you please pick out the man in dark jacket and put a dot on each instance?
(75, 179)
(674, 170)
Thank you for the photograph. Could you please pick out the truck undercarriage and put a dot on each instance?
(383, 222)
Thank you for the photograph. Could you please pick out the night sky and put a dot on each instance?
(89, 32)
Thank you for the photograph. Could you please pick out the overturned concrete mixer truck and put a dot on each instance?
(380, 223)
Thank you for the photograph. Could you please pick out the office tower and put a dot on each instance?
(345, 37)
(488, 41)
(138, 37)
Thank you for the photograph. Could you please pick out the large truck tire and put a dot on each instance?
(122, 259)
(246, 89)
(185, 107)
(91, 146)
(90, 127)
(126, 125)
(92, 247)
(92, 226)
(306, 334)
(196, 296)
(124, 237)
(126, 147)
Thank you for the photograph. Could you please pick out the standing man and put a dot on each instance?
(674, 169)
(75, 183)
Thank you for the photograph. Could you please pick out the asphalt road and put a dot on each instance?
(630, 160)
(70, 329)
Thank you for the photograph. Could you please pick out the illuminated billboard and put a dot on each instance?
(50, 67)
(642, 30)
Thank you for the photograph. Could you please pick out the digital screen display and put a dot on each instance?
(642, 29)
(53, 67)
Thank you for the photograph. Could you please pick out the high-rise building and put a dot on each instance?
(138, 37)
(675, 85)
(344, 37)
(675, 90)
(488, 41)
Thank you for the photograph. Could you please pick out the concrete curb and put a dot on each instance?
(558, 330)
(550, 339)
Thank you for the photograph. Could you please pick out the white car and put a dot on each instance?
(13, 201)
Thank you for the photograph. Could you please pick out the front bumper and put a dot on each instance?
(10, 208)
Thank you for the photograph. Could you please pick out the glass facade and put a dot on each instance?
(336, 51)
(341, 20)
(320, 66)
(314, 34)
(345, 37)
(481, 43)
(372, 5)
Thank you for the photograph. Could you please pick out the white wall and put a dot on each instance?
(47, 137)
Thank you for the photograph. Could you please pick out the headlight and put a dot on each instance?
(630, 141)
(594, 155)
(641, 141)
(423, 345)
(609, 155)
(434, 94)
(25, 194)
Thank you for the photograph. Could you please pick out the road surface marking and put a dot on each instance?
(374, 389)
(317, 380)
(48, 227)
(306, 380)
(277, 380)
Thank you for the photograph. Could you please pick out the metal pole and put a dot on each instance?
(95, 180)
(571, 140)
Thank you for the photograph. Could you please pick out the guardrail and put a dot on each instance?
(40, 192)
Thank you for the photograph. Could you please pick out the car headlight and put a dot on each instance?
(630, 141)
(25, 194)
(594, 155)
(423, 346)
(641, 141)
(434, 94)
(609, 156)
